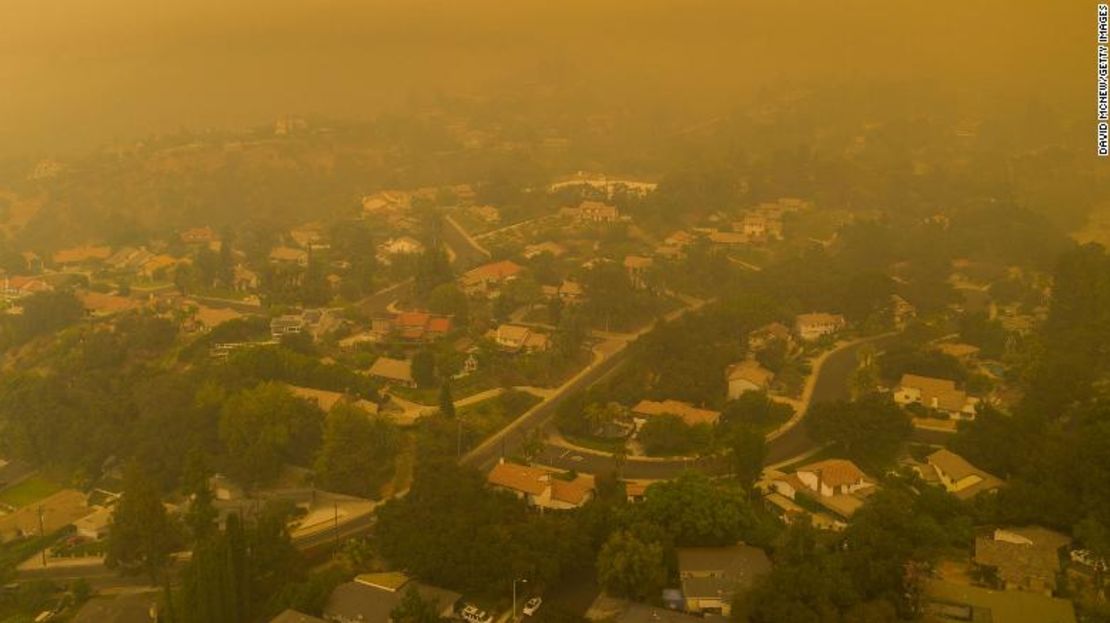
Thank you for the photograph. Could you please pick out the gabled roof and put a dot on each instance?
(523, 478)
(688, 412)
(392, 369)
(818, 319)
(750, 370)
(835, 472)
(494, 271)
(957, 468)
(942, 391)
(575, 491)
(720, 571)
(637, 262)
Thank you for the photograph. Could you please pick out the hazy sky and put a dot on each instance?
(83, 72)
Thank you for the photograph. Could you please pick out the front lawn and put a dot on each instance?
(29, 491)
(482, 419)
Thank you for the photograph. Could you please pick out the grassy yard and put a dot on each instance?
(28, 491)
(482, 419)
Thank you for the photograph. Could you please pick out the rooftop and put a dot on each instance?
(836, 472)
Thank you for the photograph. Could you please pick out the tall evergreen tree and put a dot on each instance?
(140, 539)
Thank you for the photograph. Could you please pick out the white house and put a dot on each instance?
(959, 477)
(747, 376)
(516, 338)
(938, 394)
(814, 326)
(541, 487)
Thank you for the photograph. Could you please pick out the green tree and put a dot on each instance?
(260, 428)
(748, 449)
(140, 538)
(424, 368)
(201, 516)
(448, 299)
(432, 270)
(869, 431)
(696, 511)
(357, 452)
(415, 609)
(446, 402)
(630, 567)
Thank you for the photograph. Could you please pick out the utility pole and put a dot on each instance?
(522, 581)
(42, 533)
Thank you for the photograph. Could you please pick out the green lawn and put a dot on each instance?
(28, 491)
(482, 419)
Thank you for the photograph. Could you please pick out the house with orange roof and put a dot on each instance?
(412, 326)
(690, 414)
(84, 254)
(838, 485)
(16, 287)
(482, 279)
(542, 488)
(199, 235)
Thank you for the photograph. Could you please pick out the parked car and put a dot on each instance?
(532, 605)
(471, 614)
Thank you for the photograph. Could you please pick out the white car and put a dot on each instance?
(471, 614)
(532, 605)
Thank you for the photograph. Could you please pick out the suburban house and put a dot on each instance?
(540, 487)
(814, 326)
(223, 488)
(289, 255)
(964, 352)
(535, 250)
(244, 279)
(403, 245)
(17, 287)
(836, 484)
(901, 311)
(288, 324)
(594, 212)
(569, 292)
(516, 338)
(139, 607)
(326, 399)
(690, 414)
(371, 597)
(937, 394)
(1024, 559)
(760, 227)
(637, 267)
(397, 371)
(413, 326)
(199, 235)
(95, 525)
(960, 478)
(712, 576)
(479, 280)
(82, 255)
(128, 258)
(766, 335)
(728, 238)
(747, 376)
(949, 602)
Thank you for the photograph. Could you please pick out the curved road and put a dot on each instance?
(831, 384)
